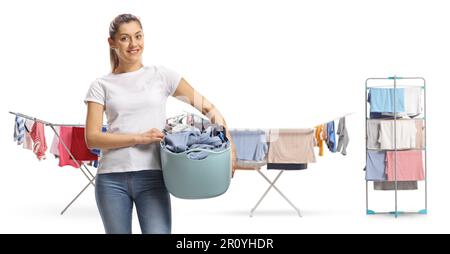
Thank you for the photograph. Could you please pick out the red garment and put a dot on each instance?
(79, 148)
(38, 136)
(65, 135)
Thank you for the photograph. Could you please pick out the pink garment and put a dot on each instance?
(409, 165)
(38, 136)
(27, 141)
(420, 137)
(65, 133)
(54, 149)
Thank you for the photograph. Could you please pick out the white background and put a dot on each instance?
(282, 64)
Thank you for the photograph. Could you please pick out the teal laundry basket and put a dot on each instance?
(196, 179)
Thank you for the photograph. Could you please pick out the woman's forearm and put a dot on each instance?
(110, 140)
(210, 111)
(216, 117)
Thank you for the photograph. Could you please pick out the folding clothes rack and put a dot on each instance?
(91, 177)
(396, 212)
(272, 183)
(88, 175)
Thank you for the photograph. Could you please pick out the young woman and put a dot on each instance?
(133, 98)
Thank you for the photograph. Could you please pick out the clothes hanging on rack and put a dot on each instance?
(319, 138)
(379, 115)
(28, 141)
(412, 132)
(390, 185)
(326, 133)
(413, 101)
(397, 136)
(288, 149)
(408, 103)
(331, 137)
(409, 165)
(380, 166)
(287, 166)
(19, 130)
(251, 148)
(412, 104)
(37, 134)
(291, 146)
(55, 143)
(420, 137)
(375, 167)
(381, 99)
(243, 164)
(251, 145)
(373, 134)
(78, 146)
(28, 125)
(405, 134)
(65, 134)
(36, 130)
(343, 136)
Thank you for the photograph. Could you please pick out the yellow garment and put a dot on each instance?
(319, 138)
(324, 132)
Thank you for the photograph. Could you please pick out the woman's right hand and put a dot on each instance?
(150, 136)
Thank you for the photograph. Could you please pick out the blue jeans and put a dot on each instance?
(116, 192)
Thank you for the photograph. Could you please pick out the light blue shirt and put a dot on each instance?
(375, 166)
(251, 145)
(382, 100)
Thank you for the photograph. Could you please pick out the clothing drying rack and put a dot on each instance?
(83, 168)
(91, 177)
(272, 182)
(394, 85)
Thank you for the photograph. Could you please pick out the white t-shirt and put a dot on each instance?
(134, 103)
(405, 136)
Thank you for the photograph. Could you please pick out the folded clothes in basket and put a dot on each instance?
(196, 141)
